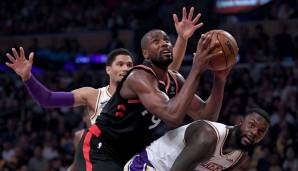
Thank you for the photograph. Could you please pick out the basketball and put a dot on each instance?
(229, 47)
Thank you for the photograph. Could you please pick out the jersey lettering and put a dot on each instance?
(213, 166)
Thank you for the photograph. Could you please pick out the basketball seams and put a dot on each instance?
(229, 48)
(222, 50)
(233, 42)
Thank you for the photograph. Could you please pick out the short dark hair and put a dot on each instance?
(260, 112)
(114, 53)
(144, 40)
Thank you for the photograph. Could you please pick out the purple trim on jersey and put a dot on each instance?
(47, 98)
(139, 162)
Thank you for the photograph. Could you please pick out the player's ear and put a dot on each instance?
(239, 120)
(108, 70)
(145, 53)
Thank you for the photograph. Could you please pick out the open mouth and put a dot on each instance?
(122, 75)
(166, 53)
(247, 140)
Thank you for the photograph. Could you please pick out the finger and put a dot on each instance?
(31, 56)
(213, 46)
(199, 25)
(206, 41)
(15, 53)
(196, 18)
(190, 15)
(175, 18)
(202, 38)
(22, 53)
(184, 13)
(194, 57)
(11, 58)
(214, 55)
(9, 65)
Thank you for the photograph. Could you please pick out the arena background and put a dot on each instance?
(71, 38)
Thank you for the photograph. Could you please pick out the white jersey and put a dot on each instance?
(103, 97)
(163, 152)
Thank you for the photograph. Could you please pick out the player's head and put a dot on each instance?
(253, 127)
(157, 48)
(118, 63)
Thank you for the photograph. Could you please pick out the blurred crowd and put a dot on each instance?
(33, 16)
(259, 46)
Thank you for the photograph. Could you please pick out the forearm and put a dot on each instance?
(178, 53)
(177, 106)
(47, 98)
(214, 102)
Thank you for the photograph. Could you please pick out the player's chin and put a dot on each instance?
(120, 77)
(168, 59)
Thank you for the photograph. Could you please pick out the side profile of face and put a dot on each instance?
(253, 129)
(119, 67)
(158, 49)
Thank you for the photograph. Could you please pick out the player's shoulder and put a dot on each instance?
(201, 128)
(139, 74)
(104, 88)
(85, 90)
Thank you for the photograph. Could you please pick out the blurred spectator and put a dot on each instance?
(37, 162)
(290, 162)
(284, 43)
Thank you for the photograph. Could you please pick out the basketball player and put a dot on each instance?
(148, 101)
(118, 63)
(203, 145)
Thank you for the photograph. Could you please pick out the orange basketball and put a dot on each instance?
(229, 47)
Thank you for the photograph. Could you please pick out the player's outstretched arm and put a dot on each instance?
(45, 97)
(185, 29)
(200, 143)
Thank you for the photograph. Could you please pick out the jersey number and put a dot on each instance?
(155, 120)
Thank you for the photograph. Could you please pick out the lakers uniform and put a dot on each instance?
(161, 154)
(103, 97)
(123, 128)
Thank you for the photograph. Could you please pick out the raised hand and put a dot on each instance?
(203, 53)
(20, 64)
(187, 26)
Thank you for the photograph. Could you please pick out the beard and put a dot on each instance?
(239, 144)
(162, 61)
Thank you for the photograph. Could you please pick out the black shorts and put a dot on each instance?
(93, 154)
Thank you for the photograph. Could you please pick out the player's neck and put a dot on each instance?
(112, 87)
(161, 72)
(231, 141)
